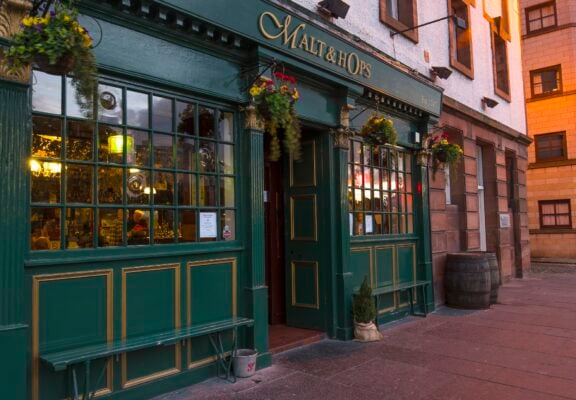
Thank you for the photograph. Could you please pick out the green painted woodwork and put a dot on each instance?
(360, 266)
(242, 16)
(384, 273)
(14, 146)
(306, 242)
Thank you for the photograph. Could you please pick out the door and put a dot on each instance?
(305, 244)
(481, 206)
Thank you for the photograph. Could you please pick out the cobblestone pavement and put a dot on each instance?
(522, 348)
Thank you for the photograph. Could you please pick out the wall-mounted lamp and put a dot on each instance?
(460, 23)
(440, 72)
(488, 102)
(333, 8)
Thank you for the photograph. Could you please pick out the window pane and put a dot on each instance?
(547, 208)
(45, 228)
(207, 155)
(562, 220)
(187, 226)
(79, 224)
(138, 147)
(357, 152)
(46, 137)
(137, 109)
(186, 189)
(110, 104)
(163, 154)
(110, 225)
(549, 220)
(45, 181)
(186, 149)
(392, 8)
(110, 144)
(368, 200)
(79, 140)
(164, 226)
(228, 223)
(185, 118)
(74, 108)
(79, 183)
(138, 186)
(163, 188)
(562, 208)
(110, 185)
(137, 227)
(206, 121)
(207, 191)
(162, 114)
(358, 199)
(226, 158)
(227, 192)
(226, 126)
(47, 93)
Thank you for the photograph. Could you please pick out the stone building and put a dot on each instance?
(548, 48)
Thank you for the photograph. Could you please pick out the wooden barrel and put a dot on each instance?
(467, 281)
(494, 277)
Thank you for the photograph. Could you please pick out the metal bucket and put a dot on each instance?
(244, 363)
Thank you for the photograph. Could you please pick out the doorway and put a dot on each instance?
(295, 247)
(481, 198)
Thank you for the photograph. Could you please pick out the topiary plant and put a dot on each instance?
(363, 307)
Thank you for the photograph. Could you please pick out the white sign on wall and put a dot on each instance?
(208, 225)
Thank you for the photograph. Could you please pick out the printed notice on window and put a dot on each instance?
(208, 228)
(351, 219)
(369, 224)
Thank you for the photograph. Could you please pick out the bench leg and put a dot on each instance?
(100, 376)
(75, 384)
(411, 297)
(218, 346)
(86, 380)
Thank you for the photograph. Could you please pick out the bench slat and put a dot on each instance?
(60, 360)
(402, 286)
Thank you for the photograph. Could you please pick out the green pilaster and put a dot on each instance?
(425, 271)
(342, 239)
(15, 119)
(258, 292)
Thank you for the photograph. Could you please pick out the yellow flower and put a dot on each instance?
(66, 18)
(27, 21)
(255, 91)
(295, 94)
(283, 89)
(444, 141)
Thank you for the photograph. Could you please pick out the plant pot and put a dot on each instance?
(441, 156)
(366, 332)
(63, 65)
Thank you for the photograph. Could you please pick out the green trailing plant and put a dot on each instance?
(379, 131)
(57, 44)
(444, 152)
(274, 102)
(363, 307)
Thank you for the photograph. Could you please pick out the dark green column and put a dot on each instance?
(254, 178)
(342, 232)
(15, 117)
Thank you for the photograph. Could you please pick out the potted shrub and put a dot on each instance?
(57, 44)
(379, 131)
(364, 312)
(274, 101)
(444, 152)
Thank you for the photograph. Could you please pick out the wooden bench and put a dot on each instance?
(403, 287)
(70, 359)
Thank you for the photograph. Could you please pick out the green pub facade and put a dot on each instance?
(161, 210)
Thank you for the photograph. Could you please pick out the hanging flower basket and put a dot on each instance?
(444, 152)
(274, 100)
(57, 44)
(379, 130)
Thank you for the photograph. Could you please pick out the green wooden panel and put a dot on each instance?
(303, 171)
(304, 218)
(317, 105)
(211, 292)
(150, 296)
(406, 264)
(360, 265)
(384, 273)
(305, 284)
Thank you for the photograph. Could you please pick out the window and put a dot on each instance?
(150, 168)
(500, 61)
(555, 214)
(380, 190)
(541, 17)
(400, 15)
(460, 39)
(546, 81)
(550, 147)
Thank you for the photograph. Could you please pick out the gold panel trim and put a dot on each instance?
(394, 275)
(413, 246)
(36, 281)
(233, 261)
(292, 221)
(314, 181)
(293, 302)
(125, 383)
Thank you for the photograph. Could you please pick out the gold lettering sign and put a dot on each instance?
(295, 37)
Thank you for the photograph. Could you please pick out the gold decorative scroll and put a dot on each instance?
(11, 13)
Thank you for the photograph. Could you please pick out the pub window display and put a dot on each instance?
(136, 171)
